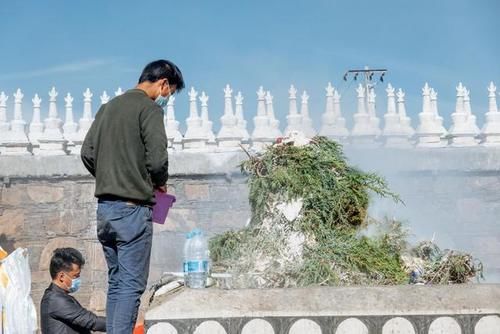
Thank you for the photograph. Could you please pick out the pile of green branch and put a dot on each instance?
(445, 266)
(325, 243)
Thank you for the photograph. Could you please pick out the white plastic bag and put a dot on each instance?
(2, 290)
(20, 312)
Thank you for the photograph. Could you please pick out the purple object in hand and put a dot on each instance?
(164, 202)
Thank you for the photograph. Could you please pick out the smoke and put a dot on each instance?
(450, 196)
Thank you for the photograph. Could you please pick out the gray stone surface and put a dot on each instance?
(346, 310)
(326, 301)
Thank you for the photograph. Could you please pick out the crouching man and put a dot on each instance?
(60, 312)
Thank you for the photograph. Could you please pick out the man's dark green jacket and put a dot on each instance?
(125, 149)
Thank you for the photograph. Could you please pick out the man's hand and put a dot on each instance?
(162, 189)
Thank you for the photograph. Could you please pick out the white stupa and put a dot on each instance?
(428, 132)
(52, 142)
(174, 136)
(195, 138)
(241, 122)
(15, 141)
(307, 124)
(372, 111)
(404, 120)
(229, 136)
(274, 124)
(363, 132)
(463, 131)
(206, 123)
(261, 135)
(70, 127)
(36, 125)
(491, 129)
(393, 131)
(294, 119)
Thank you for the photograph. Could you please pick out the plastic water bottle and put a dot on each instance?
(196, 260)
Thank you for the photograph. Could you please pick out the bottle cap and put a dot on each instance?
(196, 232)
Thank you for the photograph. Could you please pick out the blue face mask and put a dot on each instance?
(75, 284)
(162, 101)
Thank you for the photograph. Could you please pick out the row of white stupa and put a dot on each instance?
(53, 137)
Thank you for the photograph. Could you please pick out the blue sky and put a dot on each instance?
(105, 44)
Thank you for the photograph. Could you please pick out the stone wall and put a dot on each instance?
(47, 202)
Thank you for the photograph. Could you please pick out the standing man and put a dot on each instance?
(126, 151)
(60, 312)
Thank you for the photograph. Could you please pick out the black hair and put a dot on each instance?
(163, 69)
(63, 260)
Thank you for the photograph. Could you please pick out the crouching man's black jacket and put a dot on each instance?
(62, 314)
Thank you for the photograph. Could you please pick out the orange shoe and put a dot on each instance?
(139, 329)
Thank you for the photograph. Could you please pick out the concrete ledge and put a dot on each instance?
(464, 309)
(181, 164)
(328, 301)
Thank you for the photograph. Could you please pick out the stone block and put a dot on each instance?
(14, 195)
(11, 222)
(40, 277)
(99, 278)
(229, 219)
(35, 248)
(95, 256)
(196, 192)
(167, 251)
(44, 263)
(97, 301)
(155, 272)
(40, 280)
(86, 192)
(83, 296)
(178, 220)
(55, 224)
(75, 221)
(45, 193)
(232, 195)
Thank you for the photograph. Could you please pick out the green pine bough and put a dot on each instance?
(325, 241)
